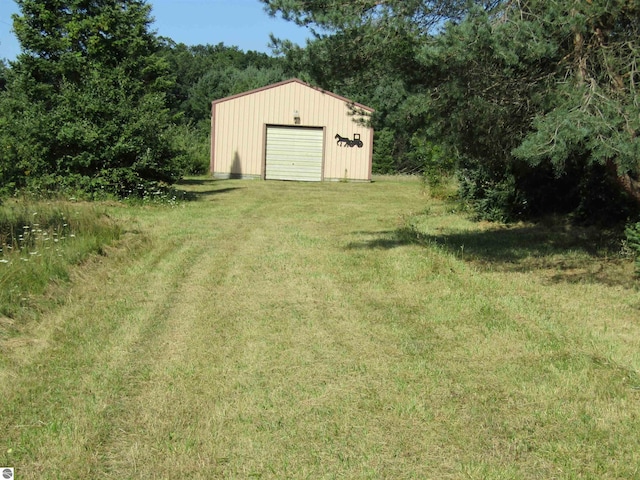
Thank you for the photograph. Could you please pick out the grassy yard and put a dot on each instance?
(292, 330)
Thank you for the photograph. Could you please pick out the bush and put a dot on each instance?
(491, 190)
(436, 166)
(632, 233)
(383, 152)
(194, 147)
(515, 191)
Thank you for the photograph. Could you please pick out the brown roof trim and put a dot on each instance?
(293, 80)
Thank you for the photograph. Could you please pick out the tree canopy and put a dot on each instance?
(85, 104)
(204, 73)
(534, 102)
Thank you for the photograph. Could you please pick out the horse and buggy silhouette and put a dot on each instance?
(348, 142)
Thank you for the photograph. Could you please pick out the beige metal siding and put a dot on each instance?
(238, 130)
(294, 153)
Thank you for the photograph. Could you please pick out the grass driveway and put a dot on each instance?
(293, 330)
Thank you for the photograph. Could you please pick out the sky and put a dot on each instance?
(241, 23)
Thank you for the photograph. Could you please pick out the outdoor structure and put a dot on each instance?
(290, 131)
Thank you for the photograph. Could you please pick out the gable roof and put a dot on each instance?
(294, 80)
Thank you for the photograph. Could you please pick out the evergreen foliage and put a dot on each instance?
(204, 73)
(85, 106)
(633, 241)
(592, 113)
(4, 71)
(534, 104)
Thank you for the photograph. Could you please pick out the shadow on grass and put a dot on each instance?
(382, 239)
(195, 181)
(561, 253)
(191, 189)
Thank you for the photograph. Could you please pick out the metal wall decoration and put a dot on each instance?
(347, 142)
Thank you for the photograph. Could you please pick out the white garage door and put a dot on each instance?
(294, 153)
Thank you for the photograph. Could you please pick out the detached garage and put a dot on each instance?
(290, 131)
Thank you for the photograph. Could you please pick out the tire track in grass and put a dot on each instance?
(241, 370)
(99, 352)
(116, 326)
(146, 423)
(163, 415)
(95, 359)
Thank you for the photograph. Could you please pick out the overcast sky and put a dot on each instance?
(242, 23)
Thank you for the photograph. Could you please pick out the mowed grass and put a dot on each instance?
(292, 330)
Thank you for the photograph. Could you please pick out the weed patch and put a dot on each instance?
(38, 243)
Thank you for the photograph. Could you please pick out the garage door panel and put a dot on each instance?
(294, 153)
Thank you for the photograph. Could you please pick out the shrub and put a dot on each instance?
(383, 152)
(194, 147)
(632, 233)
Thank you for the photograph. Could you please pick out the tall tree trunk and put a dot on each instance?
(580, 54)
(629, 184)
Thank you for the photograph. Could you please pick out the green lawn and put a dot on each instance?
(339, 330)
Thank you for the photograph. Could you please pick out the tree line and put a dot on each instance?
(532, 105)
